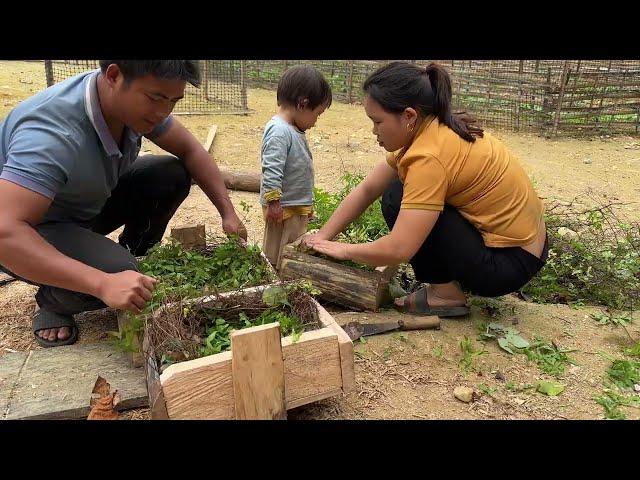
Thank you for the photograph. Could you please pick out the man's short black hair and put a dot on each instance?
(303, 81)
(187, 70)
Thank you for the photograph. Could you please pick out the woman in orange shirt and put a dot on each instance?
(459, 206)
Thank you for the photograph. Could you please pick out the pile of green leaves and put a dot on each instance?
(184, 273)
(188, 273)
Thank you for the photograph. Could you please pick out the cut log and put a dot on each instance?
(244, 181)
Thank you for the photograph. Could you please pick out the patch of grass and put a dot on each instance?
(633, 351)
(486, 389)
(437, 351)
(512, 387)
(621, 378)
(549, 358)
(608, 318)
(469, 354)
(612, 401)
(386, 354)
(624, 373)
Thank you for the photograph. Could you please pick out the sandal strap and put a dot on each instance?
(43, 320)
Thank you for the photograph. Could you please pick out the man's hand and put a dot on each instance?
(231, 225)
(128, 290)
(336, 250)
(274, 212)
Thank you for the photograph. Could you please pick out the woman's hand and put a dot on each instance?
(337, 250)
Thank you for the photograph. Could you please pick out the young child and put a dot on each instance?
(286, 191)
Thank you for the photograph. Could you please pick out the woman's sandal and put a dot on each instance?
(416, 304)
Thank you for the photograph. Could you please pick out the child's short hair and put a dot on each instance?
(303, 81)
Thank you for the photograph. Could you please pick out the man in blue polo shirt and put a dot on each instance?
(70, 174)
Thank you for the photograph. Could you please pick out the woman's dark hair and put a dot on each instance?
(401, 85)
(300, 82)
(187, 70)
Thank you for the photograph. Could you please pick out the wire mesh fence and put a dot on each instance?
(223, 89)
(548, 97)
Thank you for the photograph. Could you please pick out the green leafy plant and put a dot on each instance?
(608, 318)
(508, 338)
(621, 380)
(549, 388)
(624, 373)
(633, 351)
(486, 389)
(594, 258)
(469, 354)
(368, 227)
(612, 401)
(549, 358)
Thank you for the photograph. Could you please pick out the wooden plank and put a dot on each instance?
(200, 389)
(191, 236)
(203, 388)
(11, 365)
(56, 383)
(208, 144)
(258, 373)
(345, 346)
(311, 367)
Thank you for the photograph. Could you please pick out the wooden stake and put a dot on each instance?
(190, 237)
(208, 144)
(258, 373)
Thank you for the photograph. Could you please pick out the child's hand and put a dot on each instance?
(274, 212)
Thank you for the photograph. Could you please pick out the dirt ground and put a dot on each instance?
(410, 375)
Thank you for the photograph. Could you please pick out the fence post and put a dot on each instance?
(350, 82)
(205, 75)
(243, 86)
(546, 106)
(48, 68)
(563, 82)
(520, 72)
